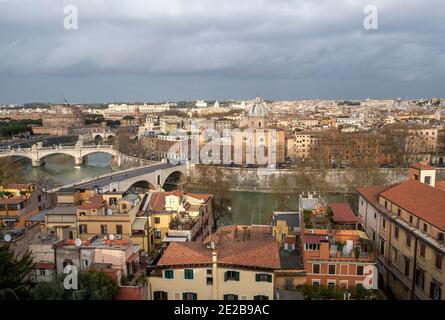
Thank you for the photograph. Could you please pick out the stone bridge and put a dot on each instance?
(37, 152)
(154, 176)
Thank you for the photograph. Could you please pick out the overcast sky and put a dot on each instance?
(167, 50)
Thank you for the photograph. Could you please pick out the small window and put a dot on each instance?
(408, 240)
(209, 281)
(428, 180)
(260, 297)
(103, 229)
(316, 268)
(42, 272)
(160, 295)
(411, 219)
(230, 297)
(231, 276)
(189, 296)
(422, 249)
(420, 278)
(263, 277)
(331, 269)
(425, 227)
(83, 229)
(118, 229)
(438, 263)
(435, 290)
(209, 272)
(188, 274)
(399, 212)
(360, 270)
(396, 232)
(157, 220)
(384, 223)
(158, 234)
(168, 274)
(407, 266)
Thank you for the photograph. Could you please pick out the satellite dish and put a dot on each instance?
(77, 242)
(109, 212)
(7, 237)
(111, 237)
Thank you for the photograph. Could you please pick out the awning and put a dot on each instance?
(139, 224)
(314, 239)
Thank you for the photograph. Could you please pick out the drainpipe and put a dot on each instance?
(215, 276)
(414, 268)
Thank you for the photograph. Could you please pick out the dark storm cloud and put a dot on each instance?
(167, 50)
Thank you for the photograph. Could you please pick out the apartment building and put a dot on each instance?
(235, 263)
(18, 203)
(179, 216)
(406, 222)
(336, 253)
(85, 213)
(302, 145)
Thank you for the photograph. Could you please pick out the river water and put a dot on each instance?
(246, 207)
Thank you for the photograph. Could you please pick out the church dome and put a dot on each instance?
(259, 108)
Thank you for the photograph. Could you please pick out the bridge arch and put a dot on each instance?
(173, 179)
(141, 186)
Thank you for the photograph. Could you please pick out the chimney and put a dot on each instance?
(423, 173)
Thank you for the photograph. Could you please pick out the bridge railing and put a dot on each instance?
(55, 147)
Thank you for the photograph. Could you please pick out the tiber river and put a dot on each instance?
(246, 208)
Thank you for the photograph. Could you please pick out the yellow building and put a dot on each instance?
(285, 225)
(18, 202)
(179, 216)
(235, 263)
(406, 221)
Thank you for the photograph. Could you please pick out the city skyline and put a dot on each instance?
(171, 51)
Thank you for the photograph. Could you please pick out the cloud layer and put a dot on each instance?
(174, 49)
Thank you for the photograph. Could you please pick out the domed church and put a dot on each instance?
(258, 114)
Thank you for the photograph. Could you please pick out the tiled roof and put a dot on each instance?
(342, 213)
(12, 200)
(95, 202)
(157, 199)
(424, 201)
(422, 166)
(261, 254)
(371, 194)
(250, 246)
(314, 239)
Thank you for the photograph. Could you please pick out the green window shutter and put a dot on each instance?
(184, 296)
(257, 277)
(195, 296)
(225, 276)
(237, 276)
(188, 274)
(269, 278)
(168, 274)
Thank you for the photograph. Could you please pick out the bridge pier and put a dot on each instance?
(37, 162)
(78, 161)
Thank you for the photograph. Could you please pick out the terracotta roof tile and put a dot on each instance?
(424, 201)
(342, 213)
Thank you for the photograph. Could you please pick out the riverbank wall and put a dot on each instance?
(271, 180)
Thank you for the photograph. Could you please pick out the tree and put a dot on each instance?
(9, 171)
(216, 183)
(14, 273)
(93, 285)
